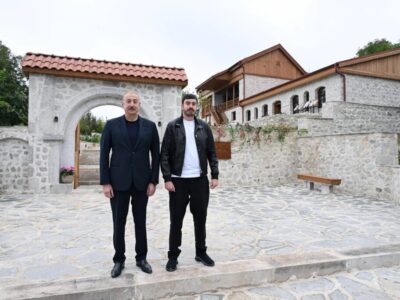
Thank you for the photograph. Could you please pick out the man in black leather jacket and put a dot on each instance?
(187, 147)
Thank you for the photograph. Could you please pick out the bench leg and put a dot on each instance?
(309, 185)
(326, 189)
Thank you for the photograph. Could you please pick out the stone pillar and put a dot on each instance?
(171, 106)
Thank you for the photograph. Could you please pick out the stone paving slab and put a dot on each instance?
(50, 238)
(374, 284)
(192, 279)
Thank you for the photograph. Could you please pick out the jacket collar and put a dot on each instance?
(179, 123)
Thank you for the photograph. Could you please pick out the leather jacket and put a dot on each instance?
(173, 149)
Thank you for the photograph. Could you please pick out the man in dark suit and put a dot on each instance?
(129, 174)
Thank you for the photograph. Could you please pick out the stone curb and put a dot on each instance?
(193, 280)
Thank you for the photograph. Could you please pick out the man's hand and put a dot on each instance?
(108, 191)
(214, 183)
(151, 189)
(169, 186)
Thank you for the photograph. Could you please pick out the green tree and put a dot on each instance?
(13, 90)
(89, 123)
(377, 45)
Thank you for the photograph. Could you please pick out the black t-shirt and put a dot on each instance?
(133, 130)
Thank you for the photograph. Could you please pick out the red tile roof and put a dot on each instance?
(91, 68)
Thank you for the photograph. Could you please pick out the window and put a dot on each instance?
(295, 104)
(233, 116)
(321, 96)
(277, 107)
(306, 96)
(256, 113)
(265, 110)
(248, 115)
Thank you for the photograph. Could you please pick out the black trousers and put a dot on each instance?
(196, 192)
(120, 207)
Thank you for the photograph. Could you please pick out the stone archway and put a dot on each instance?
(84, 105)
(62, 89)
(69, 155)
(58, 133)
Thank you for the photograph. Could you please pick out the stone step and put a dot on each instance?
(89, 173)
(133, 284)
(89, 182)
(89, 157)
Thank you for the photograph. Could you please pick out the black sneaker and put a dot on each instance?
(205, 259)
(171, 264)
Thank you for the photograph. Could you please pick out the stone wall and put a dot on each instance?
(256, 84)
(364, 162)
(354, 118)
(372, 91)
(367, 163)
(15, 160)
(395, 171)
(269, 163)
(333, 90)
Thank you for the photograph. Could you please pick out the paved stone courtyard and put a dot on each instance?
(54, 238)
(376, 284)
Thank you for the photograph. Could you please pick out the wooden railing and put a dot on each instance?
(227, 105)
(217, 117)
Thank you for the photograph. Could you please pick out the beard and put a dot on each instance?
(189, 113)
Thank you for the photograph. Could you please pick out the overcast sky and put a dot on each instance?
(204, 37)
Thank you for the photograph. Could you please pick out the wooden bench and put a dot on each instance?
(310, 180)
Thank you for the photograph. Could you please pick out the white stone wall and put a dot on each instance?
(68, 99)
(354, 118)
(238, 111)
(269, 163)
(367, 163)
(373, 91)
(395, 171)
(333, 91)
(256, 84)
(364, 162)
(15, 160)
(241, 89)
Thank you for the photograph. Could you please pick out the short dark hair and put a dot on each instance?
(189, 96)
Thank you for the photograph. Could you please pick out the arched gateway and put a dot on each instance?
(62, 89)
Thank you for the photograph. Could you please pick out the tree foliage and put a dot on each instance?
(377, 45)
(13, 90)
(89, 124)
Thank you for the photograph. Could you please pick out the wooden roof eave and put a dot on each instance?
(108, 77)
(248, 59)
(366, 58)
(369, 74)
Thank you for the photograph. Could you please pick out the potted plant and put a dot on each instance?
(67, 174)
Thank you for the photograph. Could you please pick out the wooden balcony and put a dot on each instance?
(227, 105)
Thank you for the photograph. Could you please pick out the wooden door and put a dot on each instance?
(77, 153)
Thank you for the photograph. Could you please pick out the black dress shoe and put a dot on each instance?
(205, 259)
(117, 269)
(171, 264)
(144, 266)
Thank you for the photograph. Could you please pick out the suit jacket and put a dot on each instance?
(129, 164)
